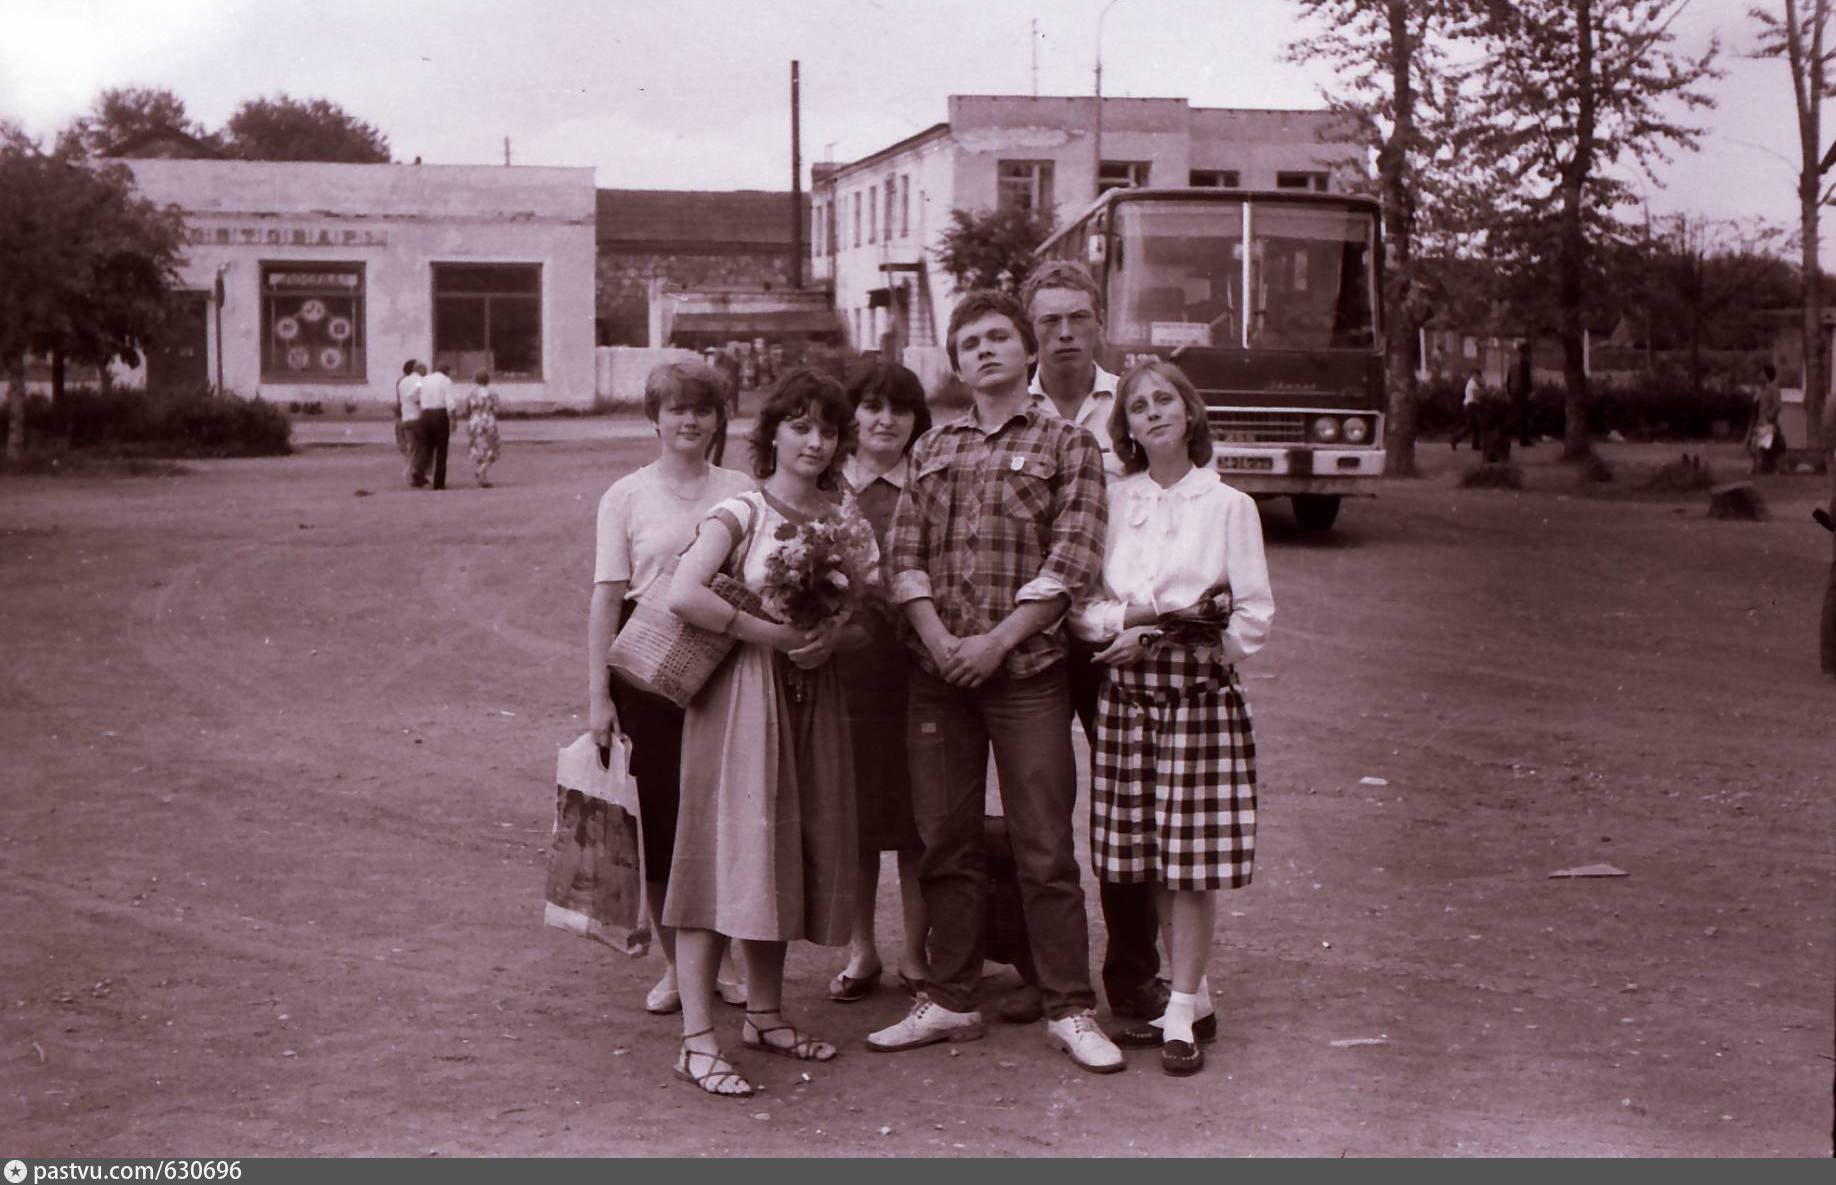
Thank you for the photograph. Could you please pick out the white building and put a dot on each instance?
(876, 223)
(309, 283)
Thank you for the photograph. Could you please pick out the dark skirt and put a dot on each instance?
(655, 728)
(874, 685)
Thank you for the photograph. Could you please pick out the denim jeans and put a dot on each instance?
(948, 734)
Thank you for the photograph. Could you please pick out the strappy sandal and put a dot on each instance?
(712, 1080)
(803, 1047)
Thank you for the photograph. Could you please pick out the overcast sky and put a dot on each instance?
(694, 94)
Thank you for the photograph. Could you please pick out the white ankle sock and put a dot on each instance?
(1176, 1021)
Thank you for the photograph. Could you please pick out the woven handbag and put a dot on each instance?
(662, 653)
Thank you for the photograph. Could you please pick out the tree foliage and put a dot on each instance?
(284, 128)
(1557, 94)
(85, 263)
(1389, 60)
(1795, 31)
(992, 248)
(134, 122)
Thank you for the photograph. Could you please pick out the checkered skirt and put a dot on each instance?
(1173, 783)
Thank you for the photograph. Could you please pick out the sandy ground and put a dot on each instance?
(272, 835)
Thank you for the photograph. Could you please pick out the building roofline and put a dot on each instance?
(936, 131)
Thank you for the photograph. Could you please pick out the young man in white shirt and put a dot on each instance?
(437, 404)
(1065, 308)
(408, 415)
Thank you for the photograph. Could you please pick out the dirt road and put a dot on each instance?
(279, 788)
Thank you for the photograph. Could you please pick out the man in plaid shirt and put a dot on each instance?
(1000, 525)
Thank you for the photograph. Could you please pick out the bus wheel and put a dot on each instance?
(1315, 513)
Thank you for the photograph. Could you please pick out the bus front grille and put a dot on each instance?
(1239, 426)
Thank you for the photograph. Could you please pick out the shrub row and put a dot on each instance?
(182, 422)
(1654, 411)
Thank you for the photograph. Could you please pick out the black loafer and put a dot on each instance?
(1142, 1035)
(1180, 1058)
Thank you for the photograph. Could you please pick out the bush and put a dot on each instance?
(1653, 410)
(182, 422)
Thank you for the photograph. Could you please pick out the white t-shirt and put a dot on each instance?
(408, 394)
(1166, 547)
(1473, 391)
(643, 524)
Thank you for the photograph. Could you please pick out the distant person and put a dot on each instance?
(1766, 440)
(1472, 409)
(481, 427)
(408, 403)
(404, 436)
(437, 409)
(1519, 386)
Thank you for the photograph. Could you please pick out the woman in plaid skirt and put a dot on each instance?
(1184, 597)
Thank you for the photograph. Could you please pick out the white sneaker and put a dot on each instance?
(926, 1024)
(1079, 1036)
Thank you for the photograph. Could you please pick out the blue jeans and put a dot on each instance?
(948, 733)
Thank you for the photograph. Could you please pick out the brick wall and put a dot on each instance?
(621, 282)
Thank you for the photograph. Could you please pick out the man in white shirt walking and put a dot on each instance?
(1065, 308)
(408, 420)
(437, 405)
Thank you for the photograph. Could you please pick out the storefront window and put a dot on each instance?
(488, 316)
(312, 322)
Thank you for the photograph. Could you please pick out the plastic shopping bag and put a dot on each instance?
(595, 878)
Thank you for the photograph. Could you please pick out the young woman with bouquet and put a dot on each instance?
(1184, 597)
(766, 841)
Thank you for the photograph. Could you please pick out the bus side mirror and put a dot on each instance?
(1096, 250)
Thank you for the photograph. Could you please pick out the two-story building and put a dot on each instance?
(876, 223)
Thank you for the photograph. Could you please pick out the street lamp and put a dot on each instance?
(1096, 141)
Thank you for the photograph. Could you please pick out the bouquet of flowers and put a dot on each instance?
(818, 571)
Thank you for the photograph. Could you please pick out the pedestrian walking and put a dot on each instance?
(481, 427)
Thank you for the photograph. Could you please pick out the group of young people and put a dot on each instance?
(1064, 549)
(427, 405)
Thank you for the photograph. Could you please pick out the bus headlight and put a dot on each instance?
(1326, 429)
(1357, 430)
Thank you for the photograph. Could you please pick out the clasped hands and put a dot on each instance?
(967, 662)
(1133, 643)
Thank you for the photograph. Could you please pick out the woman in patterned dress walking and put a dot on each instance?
(1184, 598)
(481, 427)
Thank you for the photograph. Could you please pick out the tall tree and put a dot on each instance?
(85, 264)
(135, 121)
(284, 128)
(1794, 31)
(1565, 91)
(1386, 59)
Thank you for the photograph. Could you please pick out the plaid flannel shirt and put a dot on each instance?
(991, 519)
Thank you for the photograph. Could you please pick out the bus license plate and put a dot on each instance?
(1264, 463)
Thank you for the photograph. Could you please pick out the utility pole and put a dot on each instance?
(1034, 40)
(796, 182)
(506, 152)
(1096, 141)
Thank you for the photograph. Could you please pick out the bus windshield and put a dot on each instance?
(1179, 272)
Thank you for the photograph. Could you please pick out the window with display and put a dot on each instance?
(488, 316)
(312, 322)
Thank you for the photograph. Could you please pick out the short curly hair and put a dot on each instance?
(803, 392)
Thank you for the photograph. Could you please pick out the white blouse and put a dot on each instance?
(1165, 547)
